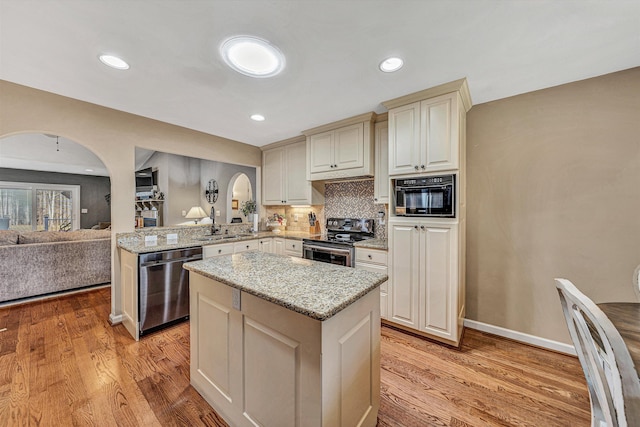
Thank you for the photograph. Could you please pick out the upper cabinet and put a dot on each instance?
(424, 129)
(381, 179)
(284, 175)
(342, 149)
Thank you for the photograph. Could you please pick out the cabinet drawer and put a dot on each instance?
(217, 250)
(371, 256)
(247, 245)
(293, 247)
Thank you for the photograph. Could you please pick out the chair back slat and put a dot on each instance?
(614, 386)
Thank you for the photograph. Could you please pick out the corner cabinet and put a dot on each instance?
(284, 176)
(424, 135)
(342, 149)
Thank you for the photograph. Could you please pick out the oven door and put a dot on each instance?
(425, 201)
(333, 255)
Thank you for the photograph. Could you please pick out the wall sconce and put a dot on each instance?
(196, 213)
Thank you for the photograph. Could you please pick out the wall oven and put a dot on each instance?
(329, 253)
(432, 196)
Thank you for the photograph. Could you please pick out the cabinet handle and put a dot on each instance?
(219, 251)
(422, 227)
(335, 166)
(369, 256)
(416, 167)
(375, 199)
(415, 226)
(247, 246)
(422, 166)
(293, 246)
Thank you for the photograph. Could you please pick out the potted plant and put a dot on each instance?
(248, 208)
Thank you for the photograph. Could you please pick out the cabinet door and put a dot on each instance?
(381, 173)
(273, 177)
(404, 139)
(349, 147)
(245, 246)
(297, 188)
(278, 246)
(293, 247)
(439, 137)
(438, 281)
(321, 152)
(217, 250)
(404, 264)
(266, 245)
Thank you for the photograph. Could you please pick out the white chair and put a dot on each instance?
(614, 387)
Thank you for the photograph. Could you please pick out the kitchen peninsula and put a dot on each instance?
(283, 341)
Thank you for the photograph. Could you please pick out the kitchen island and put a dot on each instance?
(282, 341)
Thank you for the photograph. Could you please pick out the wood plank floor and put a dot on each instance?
(62, 364)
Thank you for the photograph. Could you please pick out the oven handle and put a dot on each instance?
(326, 249)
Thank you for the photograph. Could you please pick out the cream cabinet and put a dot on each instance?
(265, 245)
(217, 250)
(381, 177)
(245, 246)
(427, 292)
(284, 175)
(293, 247)
(341, 149)
(278, 246)
(425, 130)
(375, 260)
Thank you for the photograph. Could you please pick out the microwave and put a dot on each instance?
(430, 196)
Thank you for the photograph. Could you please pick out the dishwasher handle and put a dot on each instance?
(170, 261)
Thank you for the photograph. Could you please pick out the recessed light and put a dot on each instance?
(257, 117)
(392, 64)
(252, 56)
(88, 170)
(114, 62)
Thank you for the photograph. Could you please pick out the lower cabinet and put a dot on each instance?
(375, 260)
(246, 246)
(427, 291)
(257, 363)
(266, 245)
(278, 245)
(293, 247)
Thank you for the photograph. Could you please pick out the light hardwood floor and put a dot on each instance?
(62, 364)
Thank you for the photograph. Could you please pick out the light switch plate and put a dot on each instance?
(235, 303)
(84, 210)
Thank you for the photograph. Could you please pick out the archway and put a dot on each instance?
(239, 191)
(51, 183)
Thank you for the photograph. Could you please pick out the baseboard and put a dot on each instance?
(521, 336)
(115, 319)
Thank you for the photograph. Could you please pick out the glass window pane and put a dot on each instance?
(54, 210)
(15, 204)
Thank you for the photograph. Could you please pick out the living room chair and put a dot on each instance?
(612, 380)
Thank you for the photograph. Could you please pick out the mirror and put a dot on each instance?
(183, 183)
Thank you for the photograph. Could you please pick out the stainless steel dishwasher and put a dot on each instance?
(164, 287)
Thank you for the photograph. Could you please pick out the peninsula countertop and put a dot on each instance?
(316, 289)
(137, 244)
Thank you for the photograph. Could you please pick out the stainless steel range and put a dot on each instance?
(337, 247)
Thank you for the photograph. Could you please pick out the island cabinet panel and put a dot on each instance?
(129, 280)
(263, 364)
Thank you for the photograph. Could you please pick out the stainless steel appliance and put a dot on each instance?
(433, 196)
(164, 287)
(337, 246)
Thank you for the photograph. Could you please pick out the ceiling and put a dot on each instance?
(332, 49)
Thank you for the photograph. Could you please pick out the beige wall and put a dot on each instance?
(553, 191)
(112, 136)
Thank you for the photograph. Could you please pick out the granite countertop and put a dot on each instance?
(137, 245)
(316, 289)
(372, 244)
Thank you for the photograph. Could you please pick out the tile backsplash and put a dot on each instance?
(345, 199)
(354, 199)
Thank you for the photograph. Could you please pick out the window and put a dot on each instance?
(32, 206)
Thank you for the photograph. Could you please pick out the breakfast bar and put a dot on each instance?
(283, 341)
